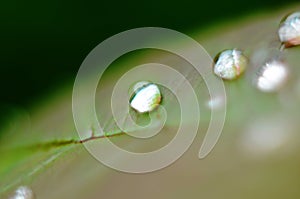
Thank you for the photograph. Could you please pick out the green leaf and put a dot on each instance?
(45, 152)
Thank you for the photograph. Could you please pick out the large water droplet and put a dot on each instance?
(230, 64)
(146, 97)
(289, 30)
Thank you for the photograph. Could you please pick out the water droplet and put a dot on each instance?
(23, 192)
(146, 97)
(272, 76)
(289, 30)
(230, 64)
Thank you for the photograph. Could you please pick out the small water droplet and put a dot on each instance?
(146, 97)
(230, 64)
(272, 76)
(289, 30)
(23, 192)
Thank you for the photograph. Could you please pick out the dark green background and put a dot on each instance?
(44, 42)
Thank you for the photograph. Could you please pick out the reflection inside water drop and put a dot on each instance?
(230, 64)
(146, 97)
(289, 30)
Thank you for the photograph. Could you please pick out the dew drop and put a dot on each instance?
(230, 64)
(289, 30)
(146, 97)
(23, 192)
(272, 76)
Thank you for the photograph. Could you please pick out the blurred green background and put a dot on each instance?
(44, 42)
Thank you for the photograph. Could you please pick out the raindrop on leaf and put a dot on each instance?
(230, 64)
(146, 97)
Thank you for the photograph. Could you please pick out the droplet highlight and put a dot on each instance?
(230, 64)
(146, 97)
(216, 102)
(23, 192)
(272, 76)
(289, 30)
